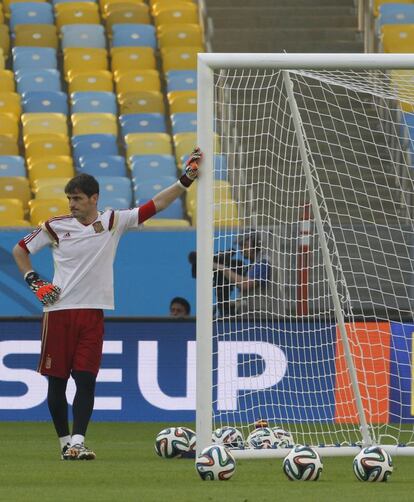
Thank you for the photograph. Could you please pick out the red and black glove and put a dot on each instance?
(191, 168)
(46, 292)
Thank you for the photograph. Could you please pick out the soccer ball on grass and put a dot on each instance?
(373, 464)
(228, 436)
(172, 442)
(262, 438)
(215, 463)
(302, 463)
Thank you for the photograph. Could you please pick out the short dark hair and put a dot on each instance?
(183, 302)
(84, 183)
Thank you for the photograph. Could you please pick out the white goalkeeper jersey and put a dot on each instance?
(83, 256)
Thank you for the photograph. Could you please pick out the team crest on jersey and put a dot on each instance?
(98, 227)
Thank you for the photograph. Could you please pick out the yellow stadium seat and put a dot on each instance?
(4, 40)
(180, 58)
(225, 214)
(9, 126)
(10, 103)
(78, 59)
(7, 83)
(1, 14)
(36, 35)
(46, 147)
(15, 187)
(105, 4)
(44, 123)
(50, 188)
(141, 102)
(137, 80)
(185, 142)
(222, 192)
(95, 80)
(166, 223)
(182, 101)
(138, 58)
(8, 146)
(43, 209)
(179, 35)
(148, 143)
(178, 14)
(397, 38)
(50, 167)
(76, 13)
(2, 62)
(10, 209)
(94, 123)
(157, 5)
(15, 223)
(402, 80)
(119, 13)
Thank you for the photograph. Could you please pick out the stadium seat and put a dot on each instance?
(43, 209)
(117, 186)
(137, 80)
(220, 167)
(2, 61)
(156, 5)
(185, 13)
(45, 102)
(76, 13)
(84, 59)
(139, 58)
(37, 80)
(83, 35)
(30, 13)
(50, 188)
(94, 102)
(142, 122)
(36, 35)
(15, 187)
(102, 165)
(4, 39)
(94, 144)
(397, 38)
(94, 123)
(44, 123)
(122, 13)
(174, 211)
(395, 13)
(182, 101)
(12, 165)
(9, 126)
(8, 146)
(10, 210)
(180, 58)
(134, 35)
(48, 146)
(179, 35)
(7, 81)
(148, 143)
(379, 3)
(94, 80)
(145, 191)
(10, 103)
(181, 80)
(184, 122)
(50, 167)
(141, 102)
(111, 201)
(150, 167)
(34, 57)
(162, 222)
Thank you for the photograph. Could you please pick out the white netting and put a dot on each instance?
(277, 349)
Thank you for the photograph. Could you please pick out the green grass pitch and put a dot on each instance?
(127, 469)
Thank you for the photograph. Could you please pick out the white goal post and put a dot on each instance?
(305, 249)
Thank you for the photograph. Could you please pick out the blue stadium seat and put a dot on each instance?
(30, 13)
(173, 211)
(142, 122)
(44, 102)
(103, 165)
(184, 122)
(83, 35)
(12, 165)
(150, 167)
(115, 186)
(37, 80)
(395, 13)
(34, 57)
(109, 201)
(145, 190)
(94, 102)
(181, 80)
(94, 144)
(134, 35)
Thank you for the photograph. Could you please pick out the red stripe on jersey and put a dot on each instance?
(111, 220)
(146, 211)
(31, 236)
(22, 244)
(51, 231)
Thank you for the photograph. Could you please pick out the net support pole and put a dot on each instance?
(204, 288)
(326, 258)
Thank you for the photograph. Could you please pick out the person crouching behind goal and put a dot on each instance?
(83, 246)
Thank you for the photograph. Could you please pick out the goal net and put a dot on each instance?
(305, 254)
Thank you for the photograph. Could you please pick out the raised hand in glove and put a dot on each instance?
(46, 292)
(191, 167)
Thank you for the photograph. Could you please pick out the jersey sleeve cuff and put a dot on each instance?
(146, 211)
(22, 244)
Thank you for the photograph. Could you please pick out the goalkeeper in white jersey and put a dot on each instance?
(83, 244)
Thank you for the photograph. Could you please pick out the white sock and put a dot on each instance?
(64, 440)
(77, 439)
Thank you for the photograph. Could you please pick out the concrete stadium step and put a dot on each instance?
(258, 4)
(286, 21)
(250, 14)
(288, 34)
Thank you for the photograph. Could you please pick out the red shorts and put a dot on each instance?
(71, 340)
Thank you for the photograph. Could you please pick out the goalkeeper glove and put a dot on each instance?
(191, 168)
(46, 292)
